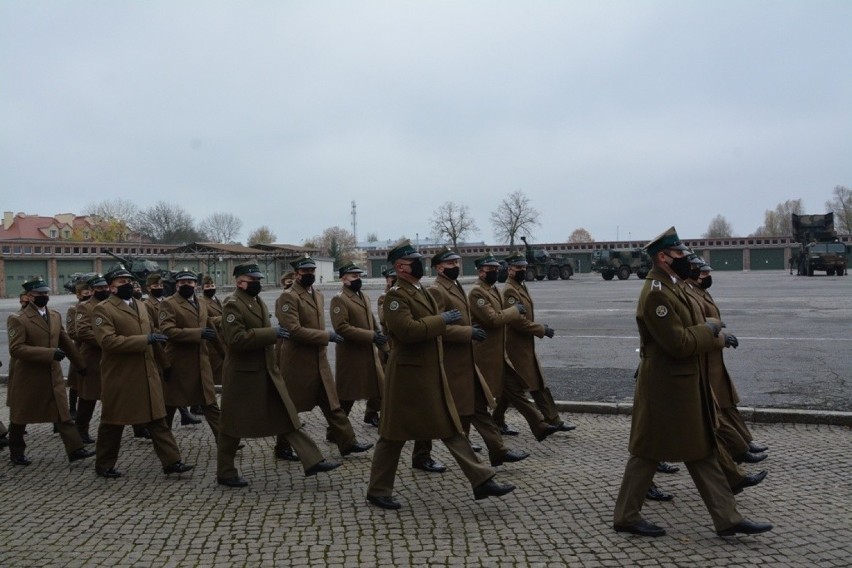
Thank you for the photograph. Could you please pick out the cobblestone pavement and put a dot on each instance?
(56, 514)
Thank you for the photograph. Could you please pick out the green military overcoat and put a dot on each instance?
(521, 334)
(486, 311)
(358, 370)
(191, 381)
(255, 401)
(417, 403)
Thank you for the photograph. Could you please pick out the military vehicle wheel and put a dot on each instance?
(840, 271)
(567, 272)
(829, 272)
(607, 275)
(624, 273)
(531, 274)
(553, 273)
(810, 270)
(641, 275)
(539, 276)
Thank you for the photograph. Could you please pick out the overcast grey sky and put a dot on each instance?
(622, 117)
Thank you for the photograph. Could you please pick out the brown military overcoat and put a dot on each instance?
(37, 387)
(673, 412)
(417, 403)
(302, 358)
(72, 333)
(191, 381)
(486, 311)
(462, 374)
(357, 368)
(521, 334)
(216, 349)
(131, 388)
(88, 387)
(255, 401)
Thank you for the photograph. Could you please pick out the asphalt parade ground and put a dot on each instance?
(794, 355)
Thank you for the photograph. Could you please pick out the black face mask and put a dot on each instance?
(355, 285)
(137, 294)
(210, 292)
(186, 292)
(84, 298)
(307, 280)
(490, 278)
(681, 266)
(452, 273)
(101, 295)
(706, 282)
(520, 275)
(253, 288)
(41, 301)
(416, 268)
(156, 292)
(125, 291)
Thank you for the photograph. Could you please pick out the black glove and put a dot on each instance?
(731, 340)
(208, 334)
(157, 338)
(379, 338)
(82, 372)
(282, 333)
(335, 337)
(521, 308)
(167, 374)
(549, 331)
(714, 327)
(451, 316)
(58, 355)
(478, 334)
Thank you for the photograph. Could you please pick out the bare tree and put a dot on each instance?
(372, 238)
(718, 228)
(452, 221)
(581, 235)
(221, 227)
(112, 220)
(167, 223)
(263, 235)
(336, 242)
(779, 222)
(841, 206)
(514, 217)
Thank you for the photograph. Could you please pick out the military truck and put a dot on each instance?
(819, 249)
(621, 262)
(142, 267)
(71, 284)
(542, 264)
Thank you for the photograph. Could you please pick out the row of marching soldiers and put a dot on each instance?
(429, 367)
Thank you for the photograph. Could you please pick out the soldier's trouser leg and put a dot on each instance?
(475, 471)
(72, 400)
(736, 420)
(486, 427)
(226, 452)
(70, 436)
(715, 492)
(421, 453)
(546, 405)
(347, 405)
(164, 442)
(281, 443)
(211, 414)
(340, 427)
(383, 468)
(638, 475)
(728, 436)
(516, 395)
(108, 445)
(85, 411)
(733, 473)
(374, 406)
(170, 415)
(3, 429)
(499, 413)
(308, 452)
(17, 446)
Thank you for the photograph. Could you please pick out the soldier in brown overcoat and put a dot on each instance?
(255, 401)
(216, 348)
(304, 363)
(89, 386)
(190, 331)
(37, 343)
(417, 403)
(83, 293)
(131, 386)
(358, 369)
(673, 413)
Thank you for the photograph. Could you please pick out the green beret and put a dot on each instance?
(402, 249)
(667, 239)
(517, 258)
(250, 269)
(487, 260)
(304, 262)
(444, 255)
(36, 284)
(349, 268)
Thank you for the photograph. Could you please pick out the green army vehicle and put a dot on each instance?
(142, 267)
(621, 262)
(541, 264)
(819, 249)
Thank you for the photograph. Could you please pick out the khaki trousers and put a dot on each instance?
(67, 431)
(109, 443)
(211, 415)
(227, 445)
(515, 394)
(339, 428)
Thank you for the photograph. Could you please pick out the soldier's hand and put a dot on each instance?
(58, 355)
(451, 316)
(714, 327)
(478, 334)
(549, 332)
(282, 333)
(379, 338)
(157, 338)
(521, 308)
(82, 372)
(167, 374)
(731, 340)
(208, 334)
(335, 337)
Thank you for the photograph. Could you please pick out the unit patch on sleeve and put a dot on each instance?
(394, 306)
(662, 311)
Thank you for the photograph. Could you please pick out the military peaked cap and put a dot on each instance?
(487, 260)
(444, 255)
(349, 268)
(517, 258)
(668, 239)
(118, 271)
(249, 269)
(402, 249)
(36, 284)
(304, 262)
